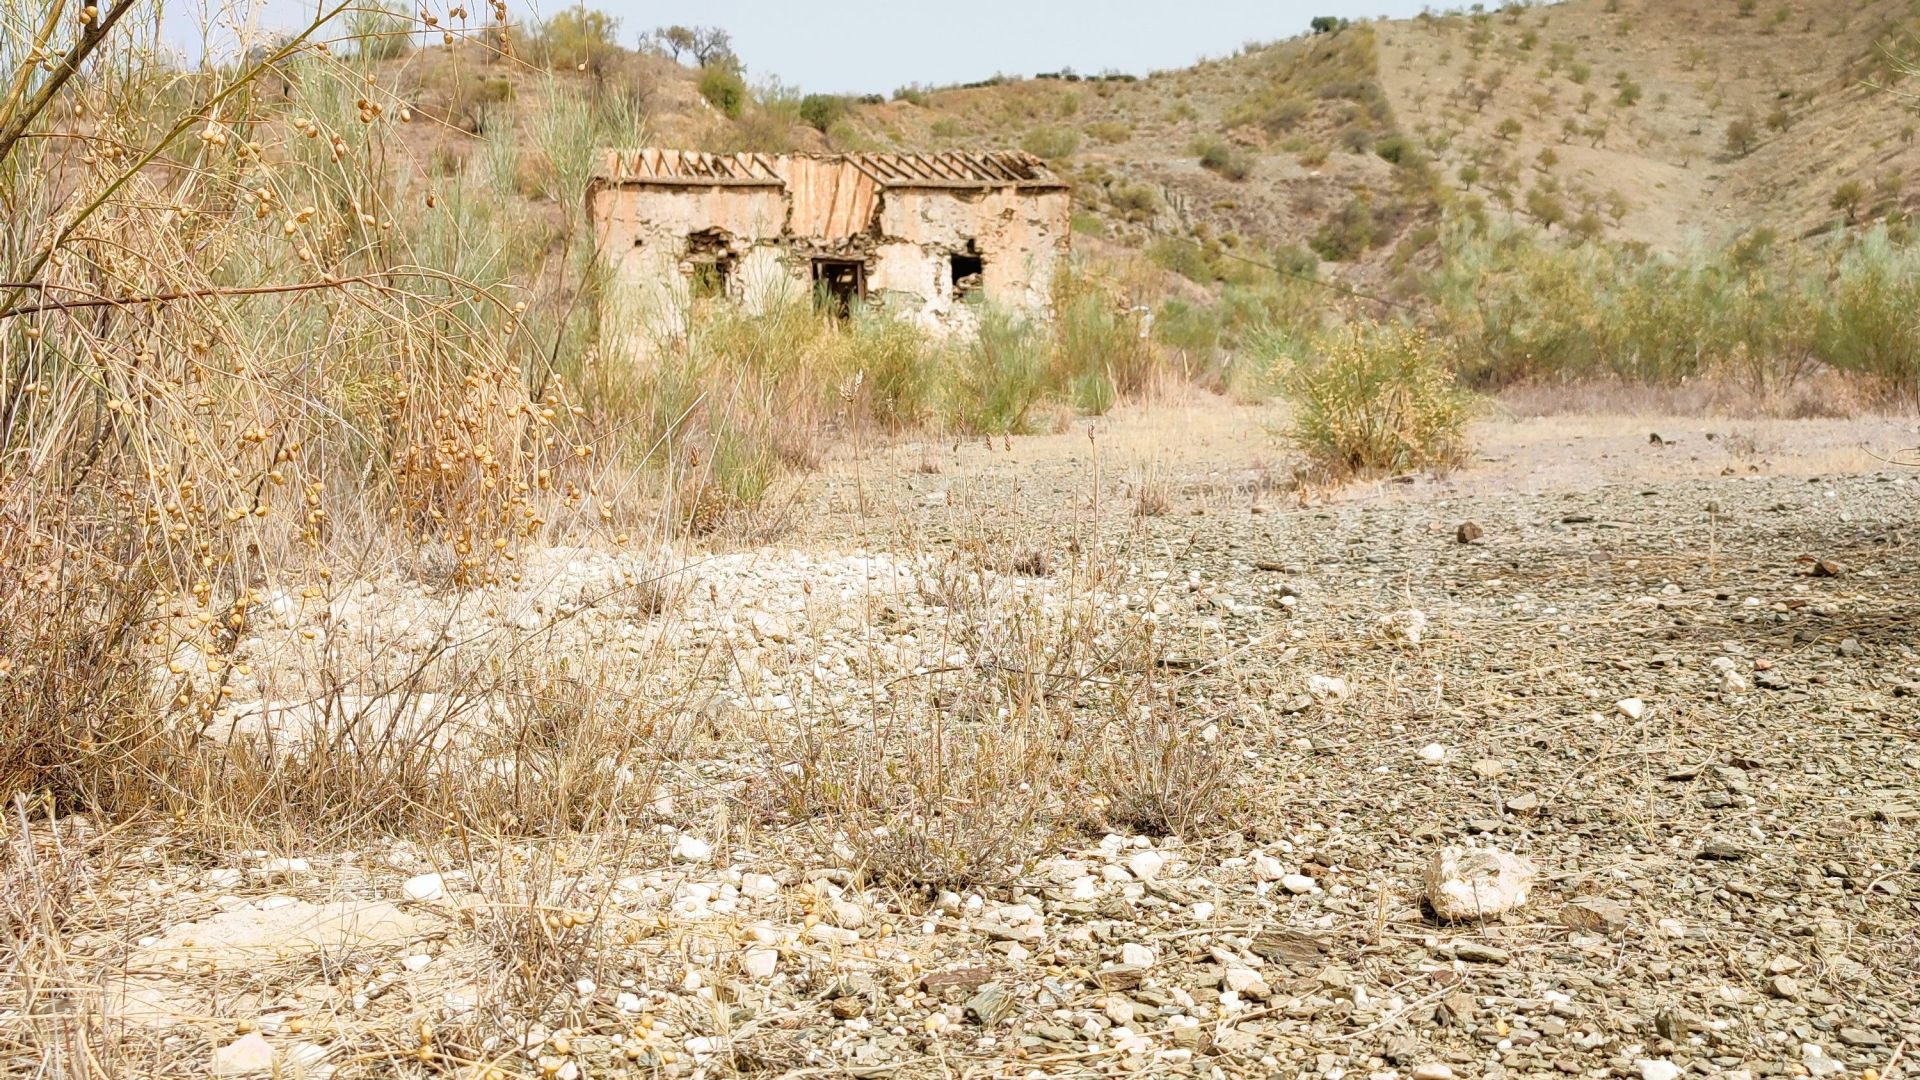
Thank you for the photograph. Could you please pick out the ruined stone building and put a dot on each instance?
(918, 232)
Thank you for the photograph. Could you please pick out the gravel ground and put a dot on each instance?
(1682, 685)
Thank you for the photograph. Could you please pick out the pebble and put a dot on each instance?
(250, 1053)
(1299, 884)
(1433, 1070)
(1433, 754)
(760, 963)
(1475, 883)
(1137, 955)
(1146, 865)
(1632, 708)
(690, 848)
(1814, 1057)
(1658, 1069)
(424, 888)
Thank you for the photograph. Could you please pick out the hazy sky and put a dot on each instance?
(873, 46)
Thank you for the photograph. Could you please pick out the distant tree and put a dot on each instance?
(1547, 207)
(1546, 159)
(707, 45)
(712, 46)
(674, 40)
(1848, 197)
(1779, 119)
(1508, 128)
(1328, 24)
(1741, 136)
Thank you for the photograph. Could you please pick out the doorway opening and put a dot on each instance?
(837, 284)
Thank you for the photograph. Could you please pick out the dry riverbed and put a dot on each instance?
(1187, 747)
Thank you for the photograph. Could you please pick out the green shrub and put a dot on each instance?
(1397, 150)
(1869, 324)
(1097, 349)
(900, 374)
(1348, 233)
(1184, 257)
(1003, 375)
(821, 111)
(578, 36)
(1134, 201)
(1219, 157)
(381, 32)
(725, 89)
(1050, 142)
(1379, 398)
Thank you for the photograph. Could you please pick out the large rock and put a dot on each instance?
(1477, 883)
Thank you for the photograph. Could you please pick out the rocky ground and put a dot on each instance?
(1677, 688)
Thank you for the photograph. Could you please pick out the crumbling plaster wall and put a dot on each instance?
(652, 235)
(1020, 236)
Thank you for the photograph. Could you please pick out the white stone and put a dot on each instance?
(1475, 883)
(1632, 708)
(628, 1002)
(275, 868)
(759, 886)
(760, 963)
(1146, 865)
(1658, 1069)
(1201, 911)
(848, 914)
(1136, 954)
(1433, 753)
(1267, 868)
(1325, 688)
(424, 888)
(1433, 1070)
(224, 878)
(416, 962)
(832, 935)
(1814, 1057)
(1244, 982)
(250, 1053)
(690, 848)
(1299, 884)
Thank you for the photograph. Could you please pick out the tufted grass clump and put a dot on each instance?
(1380, 398)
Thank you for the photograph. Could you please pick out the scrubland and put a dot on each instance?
(399, 677)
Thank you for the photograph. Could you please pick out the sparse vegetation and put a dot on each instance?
(1379, 398)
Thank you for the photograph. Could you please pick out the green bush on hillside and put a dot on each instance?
(724, 89)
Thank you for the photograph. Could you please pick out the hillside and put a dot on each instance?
(1656, 123)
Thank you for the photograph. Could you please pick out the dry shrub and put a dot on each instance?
(226, 377)
(1381, 398)
(1052, 721)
